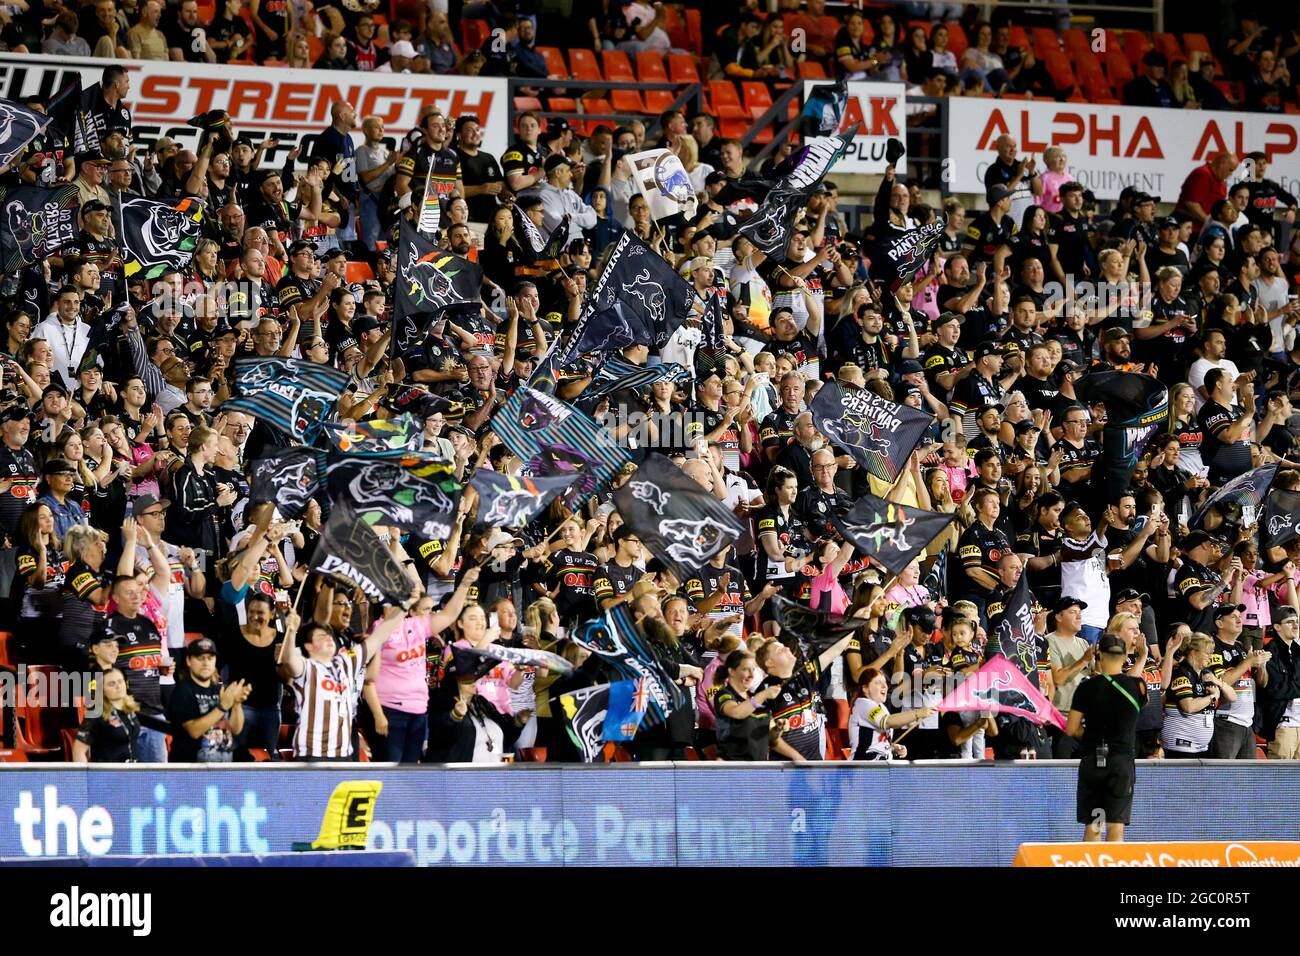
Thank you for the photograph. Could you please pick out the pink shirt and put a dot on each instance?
(403, 682)
(827, 583)
(1255, 598)
(927, 300)
(958, 478)
(494, 685)
(1050, 200)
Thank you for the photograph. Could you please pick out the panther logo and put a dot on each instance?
(860, 433)
(1001, 692)
(18, 127)
(691, 542)
(766, 229)
(536, 412)
(651, 494)
(161, 232)
(650, 293)
(511, 509)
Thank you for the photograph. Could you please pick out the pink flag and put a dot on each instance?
(1001, 688)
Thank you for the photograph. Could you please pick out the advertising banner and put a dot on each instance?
(286, 104)
(881, 109)
(1110, 147)
(1245, 853)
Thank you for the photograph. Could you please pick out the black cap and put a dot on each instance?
(334, 253)
(94, 205)
(1223, 610)
(222, 329)
(92, 156)
(1284, 612)
(1112, 644)
(16, 412)
(1155, 58)
(988, 348)
(1028, 425)
(101, 635)
(301, 245)
(921, 616)
(1142, 198)
(997, 193)
(55, 387)
(555, 161)
(910, 367)
(366, 323)
(1132, 594)
(1069, 365)
(1065, 603)
(944, 318)
(1197, 538)
(555, 126)
(58, 466)
(203, 645)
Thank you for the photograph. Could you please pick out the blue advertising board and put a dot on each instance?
(628, 815)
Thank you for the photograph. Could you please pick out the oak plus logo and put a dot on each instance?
(77, 910)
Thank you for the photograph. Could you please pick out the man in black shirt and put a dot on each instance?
(1197, 587)
(777, 428)
(821, 498)
(94, 243)
(1068, 237)
(571, 574)
(480, 172)
(988, 237)
(616, 577)
(945, 364)
(1267, 198)
(1227, 426)
(1079, 455)
(206, 716)
(277, 215)
(187, 38)
(1104, 717)
(1166, 252)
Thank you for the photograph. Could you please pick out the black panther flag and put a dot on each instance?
(892, 534)
(74, 114)
(813, 631)
(1280, 523)
(471, 663)
(1247, 491)
(290, 395)
(18, 127)
(616, 638)
(879, 434)
(612, 330)
(900, 255)
(507, 501)
(585, 710)
(1011, 630)
(289, 477)
(416, 492)
(428, 281)
(772, 224)
(554, 439)
(532, 243)
(35, 223)
(682, 524)
(157, 236)
(1135, 407)
(649, 288)
(350, 549)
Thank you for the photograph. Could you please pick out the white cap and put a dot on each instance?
(402, 48)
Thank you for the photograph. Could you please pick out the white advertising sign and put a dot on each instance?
(881, 109)
(1110, 147)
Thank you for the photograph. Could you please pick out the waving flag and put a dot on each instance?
(892, 534)
(1246, 490)
(1011, 630)
(379, 437)
(289, 477)
(663, 182)
(617, 374)
(291, 395)
(772, 224)
(428, 281)
(823, 107)
(586, 709)
(416, 492)
(506, 501)
(612, 330)
(74, 114)
(617, 639)
(813, 630)
(1280, 523)
(535, 246)
(18, 127)
(900, 255)
(158, 235)
(554, 439)
(1000, 688)
(473, 662)
(36, 222)
(682, 524)
(879, 434)
(349, 549)
(626, 709)
(1135, 407)
(648, 287)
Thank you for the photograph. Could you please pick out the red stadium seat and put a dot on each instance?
(1196, 43)
(812, 70)
(626, 101)
(757, 96)
(8, 651)
(650, 67)
(40, 725)
(682, 68)
(838, 712)
(1019, 37)
(1136, 45)
(658, 101)
(1058, 68)
(358, 272)
(191, 637)
(474, 33)
(1077, 41)
(525, 104)
(724, 101)
(69, 738)
(618, 68)
(1168, 44)
(1045, 40)
(259, 755)
(733, 128)
(1117, 67)
(957, 41)
(12, 756)
(556, 68)
(675, 27)
(533, 754)
(598, 106)
(584, 65)
(695, 30)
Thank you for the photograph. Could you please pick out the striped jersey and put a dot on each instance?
(326, 695)
(1187, 733)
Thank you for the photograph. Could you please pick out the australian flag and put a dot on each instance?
(292, 396)
(628, 700)
(615, 637)
(682, 524)
(892, 534)
(880, 435)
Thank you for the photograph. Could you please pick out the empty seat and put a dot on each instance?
(1076, 40)
(757, 95)
(682, 68)
(812, 70)
(1168, 44)
(1196, 43)
(1117, 67)
(695, 30)
(12, 756)
(584, 65)
(1136, 45)
(650, 67)
(838, 712)
(957, 41)
(1019, 37)
(626, 101)
(556, 68)
(40, 722)
(676, 29)
(618, 68)
(724, 101)
(8, 651)
(1058, 68)
(1045, 41)
(658, 101)
(525, 104)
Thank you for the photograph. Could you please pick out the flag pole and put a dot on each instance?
(301, 585)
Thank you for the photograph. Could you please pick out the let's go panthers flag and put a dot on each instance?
(1000, 688)
(159, 235)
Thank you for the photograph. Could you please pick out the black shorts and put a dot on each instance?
(1108, 789)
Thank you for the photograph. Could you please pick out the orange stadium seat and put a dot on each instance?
(1168, 44)
(618, 68)
(8, 651)
(724, 101)
(358, 272)
(1136, 45)
(1058, 68)
(695, 30)
(556, 68)
(1196, 43)
(650, 67)
(1045, 40)
(525, 103)
(1019, 37)
(676, 29)
(1077, 41)
(658, 101)
(758, 98)
(957, 41)
(838, 712)
(812, 70)
(626, 101)
(562, 104)
(1117, 67)
(12, 756)
(682, 68)
(584, 65)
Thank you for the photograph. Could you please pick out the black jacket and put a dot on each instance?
(1283, 685)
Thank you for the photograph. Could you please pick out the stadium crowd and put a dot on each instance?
(129, 528)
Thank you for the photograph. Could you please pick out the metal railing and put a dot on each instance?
(688, 92)
(1155, 9)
